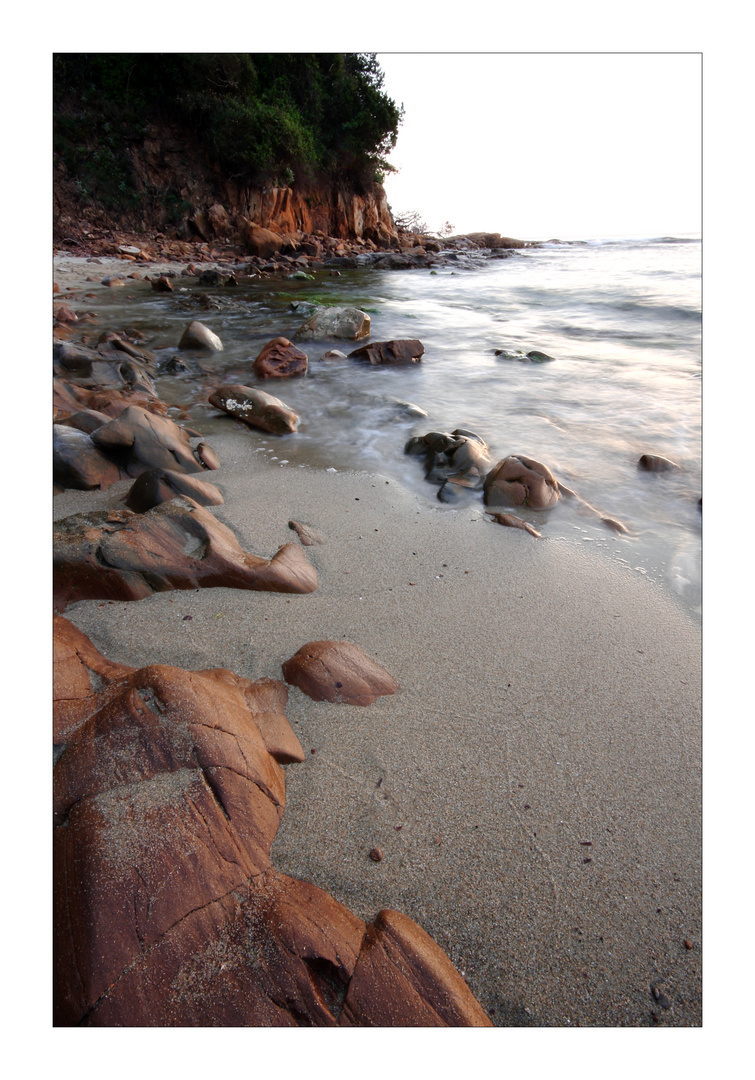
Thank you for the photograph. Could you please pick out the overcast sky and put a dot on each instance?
(548, 145)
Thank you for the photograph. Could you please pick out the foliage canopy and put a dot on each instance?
(265, 118)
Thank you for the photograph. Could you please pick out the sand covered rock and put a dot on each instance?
(400, 351)
(156, 486)
(338, 671)
(167, 795)
(426, 989)
(256, 408)
(280, 359)
(120, 555)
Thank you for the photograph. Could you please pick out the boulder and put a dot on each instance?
(255, 408)
(218, 218)
(336, 322)
(198, 336)
(156, 486)
(122, 555)
(338, 671)
(280, 359)
(77, 463)
(87, 420)
(140, 440)
(426, 988)
(406, 351)
(521, 481)
(260, 242)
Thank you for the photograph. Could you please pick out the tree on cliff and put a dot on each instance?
(265, 118)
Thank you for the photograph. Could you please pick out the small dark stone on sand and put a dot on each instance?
(376, 854)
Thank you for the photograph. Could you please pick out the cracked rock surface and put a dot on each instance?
(168, 792)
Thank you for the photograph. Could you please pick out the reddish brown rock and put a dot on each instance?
(156, 486)
(426, 990)
(521, 481)
(280, 359)
(258, 241)
(402, 351)
(167, 795)
(65, 314)
(87, 420)
(338, 671)
(77, 463)
(141, 440)
(256, 408)
(120, 555)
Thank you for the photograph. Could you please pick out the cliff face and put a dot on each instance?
(179, 190)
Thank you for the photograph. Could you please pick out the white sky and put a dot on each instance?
(548, 145)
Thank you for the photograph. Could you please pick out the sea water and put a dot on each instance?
(621, 318)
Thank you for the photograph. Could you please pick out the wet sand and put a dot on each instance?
(535, 783)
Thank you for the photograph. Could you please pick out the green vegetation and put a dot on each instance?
(273, 118)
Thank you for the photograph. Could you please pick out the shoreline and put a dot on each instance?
(549, 706)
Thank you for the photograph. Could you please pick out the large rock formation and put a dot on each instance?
(120, 555)
(168, 792)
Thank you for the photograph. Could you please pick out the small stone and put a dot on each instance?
(376, 854)
(687, 943)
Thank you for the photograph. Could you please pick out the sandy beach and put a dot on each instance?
(534, 785)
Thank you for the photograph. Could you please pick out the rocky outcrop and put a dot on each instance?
(338, 671)
(120, 555)
(167, 794)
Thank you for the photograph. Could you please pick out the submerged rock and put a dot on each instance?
(400, 351)
(654, 463)
(336, 322)
(533, 357)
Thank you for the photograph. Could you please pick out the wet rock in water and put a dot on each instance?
(333, 354)
(533, 357)
(156, 486)
(113, 282)
(66, 315)
(161, 284)
(521, 481)
(336, 322)
(514, 522)
(654, 463)
(77, 463)
(255, 408)
(461, 457)
(120, 555)
(427, 990)
(338, 671)
(198, 336)
(306, 533)
(167, 794)
(141, 440)
(211, 277)
(280, 359)
(399, 351)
